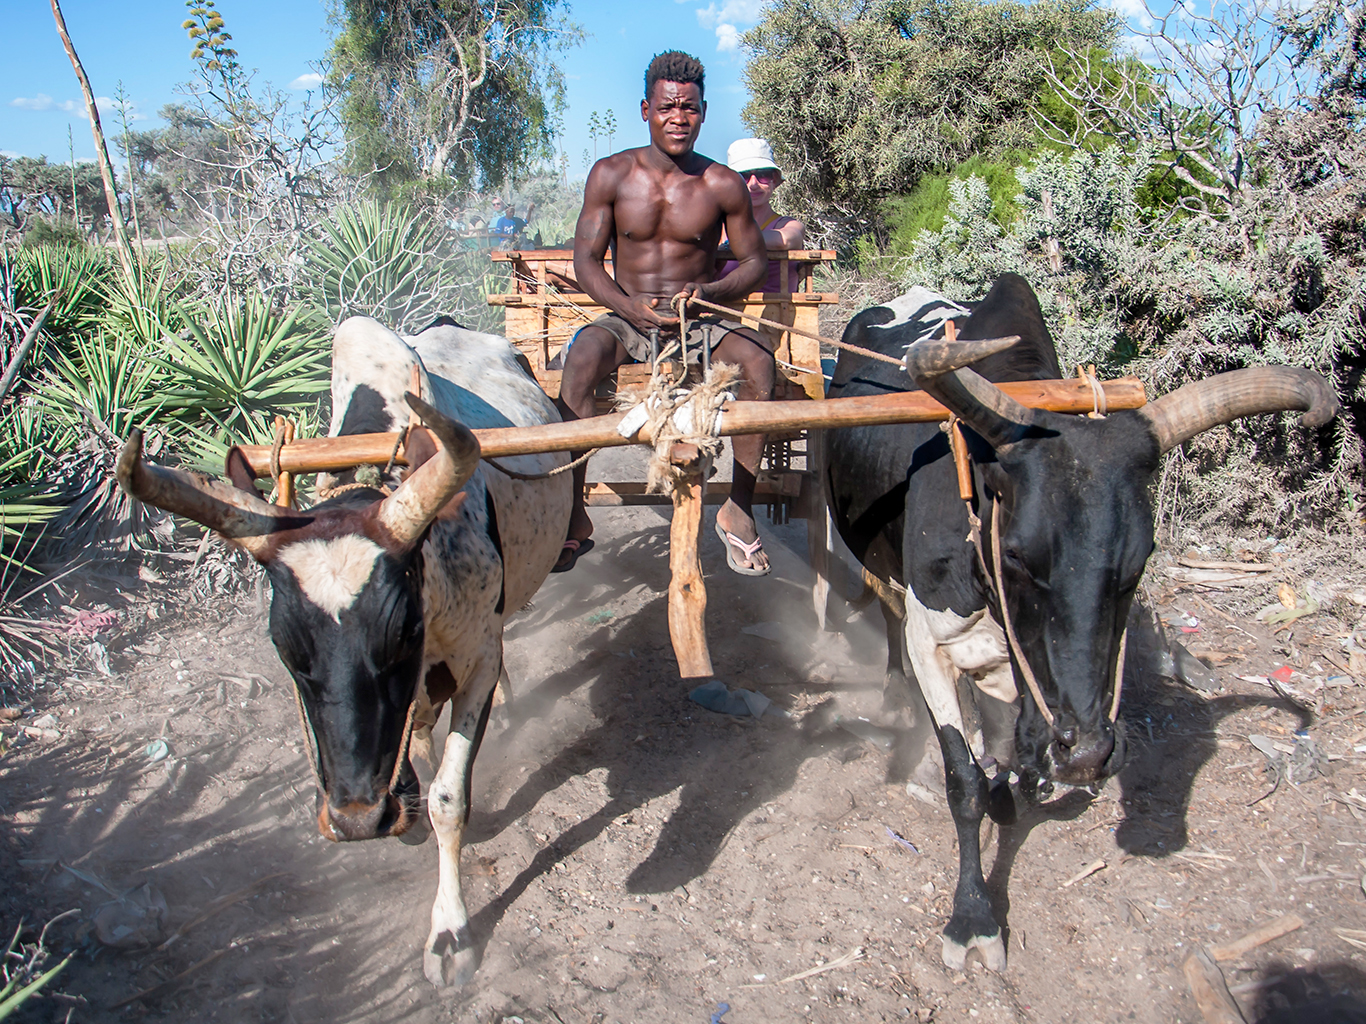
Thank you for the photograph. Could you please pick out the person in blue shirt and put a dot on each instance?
(509, 225)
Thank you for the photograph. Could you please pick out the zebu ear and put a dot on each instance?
(418, 449)
(405, 515)
(237, 469)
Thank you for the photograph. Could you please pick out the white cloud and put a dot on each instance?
(729, 19)
(311, 80)
(1133, 11)
(42, 102)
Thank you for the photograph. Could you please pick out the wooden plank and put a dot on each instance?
(1210, 991)
(531, 255)
(1259, 937)
(586, 301)
(616, 493)
(329, 454)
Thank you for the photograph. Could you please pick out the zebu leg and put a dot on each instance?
(972, 923)
(451, 956)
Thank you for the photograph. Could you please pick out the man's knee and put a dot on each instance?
(591, 356)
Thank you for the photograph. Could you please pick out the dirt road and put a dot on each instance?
(633, 857)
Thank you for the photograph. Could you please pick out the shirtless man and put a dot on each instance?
(660, 209)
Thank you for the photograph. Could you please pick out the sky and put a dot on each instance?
(140, 44)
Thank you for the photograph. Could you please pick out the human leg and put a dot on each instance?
(595, 353)
(736, 516)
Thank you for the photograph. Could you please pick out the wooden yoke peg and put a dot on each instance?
(284, 434)
(958, 444)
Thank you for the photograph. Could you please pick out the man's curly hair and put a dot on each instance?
(675, 66)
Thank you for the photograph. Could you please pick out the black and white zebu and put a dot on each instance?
(385, 607)
(1072, 497)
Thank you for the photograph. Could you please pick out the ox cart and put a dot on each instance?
(543, 311)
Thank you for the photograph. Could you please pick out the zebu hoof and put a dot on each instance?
(992, 948)
(450, 959)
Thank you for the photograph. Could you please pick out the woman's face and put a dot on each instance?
(761, 184)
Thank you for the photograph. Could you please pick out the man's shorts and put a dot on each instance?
(637, 345)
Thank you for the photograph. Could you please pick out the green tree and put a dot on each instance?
(861, 98)
(465, 89)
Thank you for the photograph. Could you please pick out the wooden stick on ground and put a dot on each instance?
(1260, 936)
(1211, 994)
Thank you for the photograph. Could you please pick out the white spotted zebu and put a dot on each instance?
(387, 606)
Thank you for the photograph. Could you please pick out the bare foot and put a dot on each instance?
(732, 520)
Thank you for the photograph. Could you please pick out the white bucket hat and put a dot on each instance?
(745, 155)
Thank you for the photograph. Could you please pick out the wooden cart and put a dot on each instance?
(547, 306)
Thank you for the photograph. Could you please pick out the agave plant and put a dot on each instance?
(99, 391)
(145, 304)
(240, 365)
(24, 981)
(71, 275)
(377, 260)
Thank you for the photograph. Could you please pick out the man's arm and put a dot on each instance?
(745, 238)
(592, 236)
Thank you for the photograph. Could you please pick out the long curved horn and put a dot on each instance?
(938, 366)
(1202, 404)
(408, 512)
(219, 505)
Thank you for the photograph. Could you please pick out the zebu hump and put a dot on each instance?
(478, 374)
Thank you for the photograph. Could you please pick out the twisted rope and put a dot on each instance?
(778, 325)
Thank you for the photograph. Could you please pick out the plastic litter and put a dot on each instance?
(900, 839)
(717, 696)
(875, 735)
(1192, 671)
(157, 750)
(721, 1010)
(601, 615)
(132, 921)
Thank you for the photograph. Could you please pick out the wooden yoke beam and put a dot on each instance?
(331, 454)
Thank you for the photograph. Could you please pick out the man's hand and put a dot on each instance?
(644, 314)
(689, 292)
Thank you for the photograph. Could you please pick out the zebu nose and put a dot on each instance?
(1081, 757)
(355, 821)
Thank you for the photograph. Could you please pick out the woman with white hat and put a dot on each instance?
(752, 159)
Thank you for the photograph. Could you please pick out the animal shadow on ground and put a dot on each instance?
(96, 813)
(1170, 732)
(1331, 993)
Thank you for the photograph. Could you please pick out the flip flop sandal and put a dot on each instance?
(734, 543)
(575, 549)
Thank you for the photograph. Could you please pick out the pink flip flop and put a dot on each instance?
(575, 549)
(733, 544)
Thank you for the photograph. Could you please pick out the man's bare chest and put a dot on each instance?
(648, 211)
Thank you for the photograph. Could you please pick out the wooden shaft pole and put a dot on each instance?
(330, 454)
(687, 590)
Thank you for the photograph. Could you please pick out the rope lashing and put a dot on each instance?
(1099, 403)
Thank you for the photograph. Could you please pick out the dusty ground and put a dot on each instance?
(633, 857)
